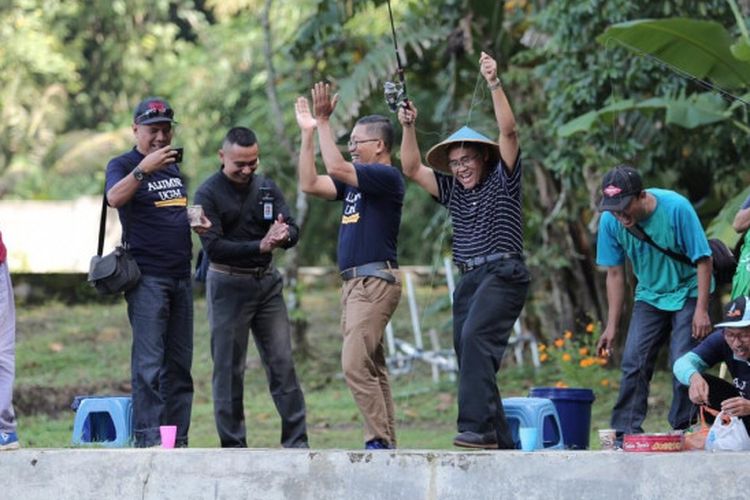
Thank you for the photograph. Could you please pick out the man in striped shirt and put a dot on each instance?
(479, 182)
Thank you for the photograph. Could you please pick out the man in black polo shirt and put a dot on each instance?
(145, 185)
(373, 192)
(480, 184)
(249, 218)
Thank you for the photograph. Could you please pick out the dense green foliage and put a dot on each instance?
(71, 73)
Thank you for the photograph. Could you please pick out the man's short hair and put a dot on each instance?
(380, 126)
(242, 136)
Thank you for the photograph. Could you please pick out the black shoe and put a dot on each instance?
(470, 439)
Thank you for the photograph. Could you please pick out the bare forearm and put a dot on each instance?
(704, 270)
(615, 297)
(306, 166)
(410, 154)
(506, 121)
(332, 159)
(123, 191)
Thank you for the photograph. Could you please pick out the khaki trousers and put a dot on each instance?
(367, 304)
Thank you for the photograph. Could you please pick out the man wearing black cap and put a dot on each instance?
(671, 296)
(730, 344)
(146, 187)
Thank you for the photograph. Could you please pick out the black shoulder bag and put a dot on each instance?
(724, 262)
(117, 271)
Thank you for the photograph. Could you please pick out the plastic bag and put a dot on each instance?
(727, 434)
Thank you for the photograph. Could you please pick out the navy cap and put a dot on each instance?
(153, 110)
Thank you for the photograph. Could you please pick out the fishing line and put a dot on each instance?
(724, 93)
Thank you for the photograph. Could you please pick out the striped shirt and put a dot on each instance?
(487, 218)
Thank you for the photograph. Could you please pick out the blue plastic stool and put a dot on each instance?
(535, 412)
(103, 420)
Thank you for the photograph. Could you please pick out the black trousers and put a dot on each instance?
(236, 306)
(486, 304)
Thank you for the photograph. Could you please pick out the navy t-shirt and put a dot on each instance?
(371, 216)
(158, 232)
(714, 349)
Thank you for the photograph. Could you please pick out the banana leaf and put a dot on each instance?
(699, 48)
(687, 112)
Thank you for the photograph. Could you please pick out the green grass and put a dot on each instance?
(64, 350)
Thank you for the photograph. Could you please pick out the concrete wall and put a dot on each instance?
(382, 475)
(55, 236)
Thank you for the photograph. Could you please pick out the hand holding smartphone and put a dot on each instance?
(178, 157)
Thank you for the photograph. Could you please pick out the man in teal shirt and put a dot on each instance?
(671, 296)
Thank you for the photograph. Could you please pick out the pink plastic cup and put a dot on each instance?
(168, 435)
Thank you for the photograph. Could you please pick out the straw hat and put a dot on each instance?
(437, 156)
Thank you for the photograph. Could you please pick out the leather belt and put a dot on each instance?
(475, 262)
(240, 271)
(376, 269)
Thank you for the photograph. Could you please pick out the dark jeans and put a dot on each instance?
(649, 329)
(161, 315)
(719, 390)
(236, 305)
(487, 302)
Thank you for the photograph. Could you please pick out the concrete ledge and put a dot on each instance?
(334, 474)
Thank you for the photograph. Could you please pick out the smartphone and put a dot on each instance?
(178, 156)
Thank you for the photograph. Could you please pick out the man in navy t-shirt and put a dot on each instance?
(730, 344)
(146, 187)
(373, 192)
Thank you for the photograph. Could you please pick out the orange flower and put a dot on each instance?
(605, 382)
(583, 351)
(568, 335)
(560, 384)
(566, 357)
(543, 357)
(586, 362)
(559, 343)
(590, 328)
(541, 347)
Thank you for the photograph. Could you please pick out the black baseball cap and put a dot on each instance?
(737, 314)
(619, 186)
(153, 110)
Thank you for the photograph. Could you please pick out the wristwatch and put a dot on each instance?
(138, 174)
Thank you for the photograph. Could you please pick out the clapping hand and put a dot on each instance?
(305, 119)
(323, 104)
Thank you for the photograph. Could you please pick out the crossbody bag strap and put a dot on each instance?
(102, 225)
(639, 233)
(103, 221)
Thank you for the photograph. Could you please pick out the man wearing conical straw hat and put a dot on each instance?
(479, 182)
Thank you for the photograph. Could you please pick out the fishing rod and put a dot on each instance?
(395, 92)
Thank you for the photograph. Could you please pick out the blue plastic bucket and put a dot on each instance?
(574, 408)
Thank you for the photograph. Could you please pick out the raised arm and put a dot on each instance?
(506, 122)
(310, 182)
(411, 162)
(335, 163)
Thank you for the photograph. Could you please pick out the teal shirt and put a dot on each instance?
(663, 282)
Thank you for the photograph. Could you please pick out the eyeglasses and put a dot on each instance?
(154, 113)
(735, 336)
(464, 161)
(355, 144)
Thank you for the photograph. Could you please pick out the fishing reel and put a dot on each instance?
(395, 95)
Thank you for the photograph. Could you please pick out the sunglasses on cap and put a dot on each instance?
(154, 113)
